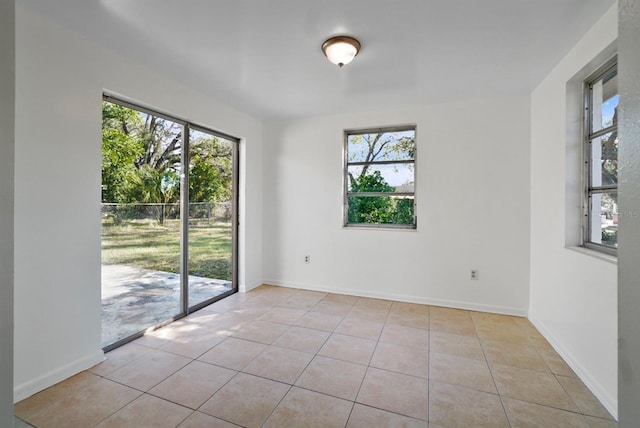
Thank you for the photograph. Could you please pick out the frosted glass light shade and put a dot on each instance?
(341, 50)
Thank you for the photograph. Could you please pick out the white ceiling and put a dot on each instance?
(263, 57)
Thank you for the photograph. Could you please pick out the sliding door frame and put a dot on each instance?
(185, 308)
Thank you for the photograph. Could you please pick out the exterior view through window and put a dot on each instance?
(601, 160)
(168, 238)
(380, 177)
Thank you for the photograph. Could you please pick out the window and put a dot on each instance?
(601, 160)
(379, 177)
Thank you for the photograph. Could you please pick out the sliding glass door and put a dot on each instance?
(211, 216)
(168, 238)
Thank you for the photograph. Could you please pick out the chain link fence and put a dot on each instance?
(199, 212)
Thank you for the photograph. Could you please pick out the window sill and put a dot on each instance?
(372, 227)
(595, 254)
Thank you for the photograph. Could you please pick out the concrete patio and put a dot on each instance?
(134, 299)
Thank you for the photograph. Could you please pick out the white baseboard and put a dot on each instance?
(27, 389)
(246, 288)
(609, 402)
(505, 310)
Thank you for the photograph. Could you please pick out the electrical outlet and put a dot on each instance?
(475, 273)
(307, 259)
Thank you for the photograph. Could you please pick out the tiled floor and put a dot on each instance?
(278, 357)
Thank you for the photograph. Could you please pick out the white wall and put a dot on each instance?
(629, 162)
(573, 294)
(60, 80)
(7, 87)
(473, 209)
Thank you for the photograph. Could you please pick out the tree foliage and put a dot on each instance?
(141, 160)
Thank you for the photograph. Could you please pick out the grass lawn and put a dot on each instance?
(149, 245)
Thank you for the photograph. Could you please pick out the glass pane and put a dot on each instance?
(604, 218)
(381, 209)
(381, 178)
(210, 216)
(605, 100)
(384, 146)
(140, 221)
(604, 160)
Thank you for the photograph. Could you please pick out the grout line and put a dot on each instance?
(495, 384)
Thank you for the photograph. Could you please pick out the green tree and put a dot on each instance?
(210, 170)
(370, 209)
(120, 151)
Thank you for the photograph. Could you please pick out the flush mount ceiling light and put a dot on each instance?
(341, 50)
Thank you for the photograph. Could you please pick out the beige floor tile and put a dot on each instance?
(600, 423)
(531, 331)
(402, 359)
(302, 408)
(532, 386)
(395, 392)
(233, 353)
(246, 400)
(193, 385)
(540, 342)
(303, 300)
(406, 336)
(242, 314)
(369, 417)
(227, 323)
(200, 420)
(409, 314)
(375, 304)
(528, 415)
(332, 308)
(260, 331)
(555, 362)
(341, 298)
(406, 307)
(347, 348)
(259, 302)
(584, 399)
(512, 354)
(333, 377)
(147, 411)
(499, 328)
(461, 371)
(456, 344)
(86, 407)
(283, 365)
(365, 313)
(283, 315)
(319, 321)
(49, 396)
(197, 319)
(454, 406)
(194, 343)
(157, 338)
(409, 320)
(119, 357)
(274, 291)
(149, 370)
(363, 328)
(453, 321)
(302, 339)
